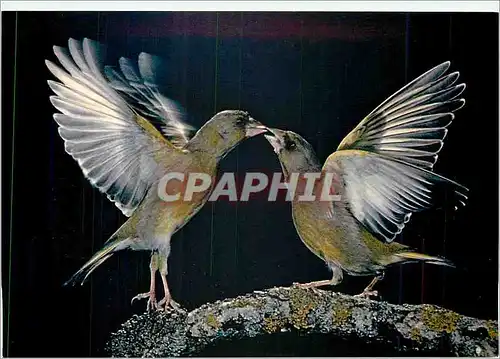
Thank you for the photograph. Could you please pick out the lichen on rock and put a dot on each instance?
(302, 301)
(492, 329)
(439, 320)
(410, 329)
(341, 315)
(212, 321)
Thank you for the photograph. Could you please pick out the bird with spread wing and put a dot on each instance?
(107, 121)
(380, 174)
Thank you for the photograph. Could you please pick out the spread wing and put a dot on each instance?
(138, 84)
(114, 146)
(412, 123)
(382, 192)
(386, 161)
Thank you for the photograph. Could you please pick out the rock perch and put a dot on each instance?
(417, 329)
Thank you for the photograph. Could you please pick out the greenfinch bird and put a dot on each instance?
(126, 135)
(382, 172)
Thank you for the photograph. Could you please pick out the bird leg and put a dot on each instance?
(337, 277)
(368, 291)
(163, 269)
(167, 300)
(151, 295)
(316, 284)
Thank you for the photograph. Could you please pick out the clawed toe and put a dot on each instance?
(170, 304)
(314, 286)
(151, 305)
(316, 290)
(304, 285)
(139, 296)
(367, 294)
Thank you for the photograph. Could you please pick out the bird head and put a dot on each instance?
(236, 125)
(294, 153)
(226, 130)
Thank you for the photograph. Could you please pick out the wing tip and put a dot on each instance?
(94, 43)
(49, 63)
(445, 133)
(55, 69)
(53, 84)
(56, 49)
(445, 65)
(73, 42)
(461, 102)
(442, 68)
(452, 118)
(390, 239)
(143, 54)
(53, 99)
(461, 195)
(123, 60)
(148, 56)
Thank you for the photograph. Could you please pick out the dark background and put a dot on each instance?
(315, 73)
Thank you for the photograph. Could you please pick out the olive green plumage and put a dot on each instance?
(381, 173)
(107, 121)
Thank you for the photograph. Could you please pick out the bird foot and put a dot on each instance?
(303, 285)
(367, 294)
(170, 304)
(312, 286)
(152, 304)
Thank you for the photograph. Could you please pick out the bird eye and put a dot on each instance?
(241, 121)
(289, 144)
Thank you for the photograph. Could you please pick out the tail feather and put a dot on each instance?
(94, 262)
(414, 256)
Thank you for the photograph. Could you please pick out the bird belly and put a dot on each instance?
(337, 242)
(158, 220)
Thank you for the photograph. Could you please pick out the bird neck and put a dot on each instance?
(307, 178)
(210, 141)
(312, 165)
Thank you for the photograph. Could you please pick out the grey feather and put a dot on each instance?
(383, 192)
(99, 128)
(139, 84)
(412, 123)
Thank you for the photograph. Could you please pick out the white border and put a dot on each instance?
(357, 6)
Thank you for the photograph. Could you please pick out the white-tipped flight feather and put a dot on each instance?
(99, 128)
(412, 123)
(138, 83)
(383, 192)
(386, 160)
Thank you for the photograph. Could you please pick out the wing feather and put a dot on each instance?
(412, 123)
(99, 128)
(383, 192)
(137, 82)
(386, 161)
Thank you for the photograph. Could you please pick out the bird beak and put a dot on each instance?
(255, 128)
(276, 140)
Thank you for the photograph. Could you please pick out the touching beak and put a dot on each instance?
(255, 128)
(276, 140)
